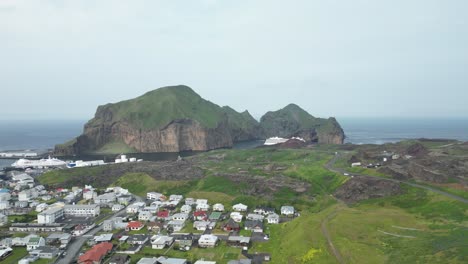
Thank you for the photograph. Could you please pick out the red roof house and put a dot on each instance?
(162, 214)
(200, 215)
(96, 254)
(134, 225)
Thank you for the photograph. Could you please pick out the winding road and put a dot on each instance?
(330, 166)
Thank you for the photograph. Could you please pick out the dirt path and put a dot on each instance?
(332, 247)
(330, 166)
(395, 235)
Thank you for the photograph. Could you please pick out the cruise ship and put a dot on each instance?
(274, 141)
(42, 163)
(278, 140)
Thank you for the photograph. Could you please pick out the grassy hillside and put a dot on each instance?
(159, 107)
(416, 226)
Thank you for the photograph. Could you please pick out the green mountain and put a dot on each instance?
(175, 118)
(295, 121)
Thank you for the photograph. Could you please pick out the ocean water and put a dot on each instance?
(43, 135)
(386, 130)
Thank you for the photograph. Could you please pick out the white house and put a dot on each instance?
(273, 219)
(239, 207)
(117, 207)
(201, 201)
(255, 217)
(160, 241)
(201, 225)
(89, 195)
(203, 207)
(35, 242)
(5, 196)
(176, 197)
(155, 196)
(4, 205)
(189, 201)
(236, 216)
(287, 210)
(180, 216)
(144, 216)
(3, 219)
(186, 209)
(207, 241)
(176, 225)
(134, 208)
(218, 207)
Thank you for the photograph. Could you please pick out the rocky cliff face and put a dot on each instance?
(294, 121)
(174, 119)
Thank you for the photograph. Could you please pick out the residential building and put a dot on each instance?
(231, 225)
(124, 199)
(45, 252)
(180, 216)
(184, 241)
(264, 210)
(218, 207)
(50, 215)
(208, 240)
(255, 217)
(202, 207)
(35, 242)
(144, 216)
(138, 239)
(134, 225)
(214, 216)
(89, 195)
(238, 241)
(200, 215)
(201, 225)
(103, 238)
(82, 210)
(3, 219)
(239, 207)
(273, 218)
(189, 201)
(106, 198)
(287, 210)
(117, 207)
(255, 226)
(155, 196)
(161, 241)
(176, 225)
(5, 196)
(162, 215)
(236, 216)
(96, 254)
(186, 209)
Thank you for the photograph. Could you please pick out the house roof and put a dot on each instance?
(199, 213)
(163, 213)
(253, 224)
(215, 215)
(96, 253)
(134, 224)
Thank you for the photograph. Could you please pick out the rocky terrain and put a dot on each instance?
(361, 188)
(433, 161)
(174, 119)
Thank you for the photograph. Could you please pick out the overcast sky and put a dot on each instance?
(60, 59)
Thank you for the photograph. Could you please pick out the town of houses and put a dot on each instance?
(115, 226)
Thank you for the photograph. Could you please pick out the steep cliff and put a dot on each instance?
(294, 121)
(169, 119)
(175, 118)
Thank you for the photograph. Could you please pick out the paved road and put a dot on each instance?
(331, 163)
(74, 247)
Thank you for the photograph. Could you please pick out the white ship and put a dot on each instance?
(42, 163)
(277, 140)
(274, 141)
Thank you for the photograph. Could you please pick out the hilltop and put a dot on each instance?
(176, 118)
